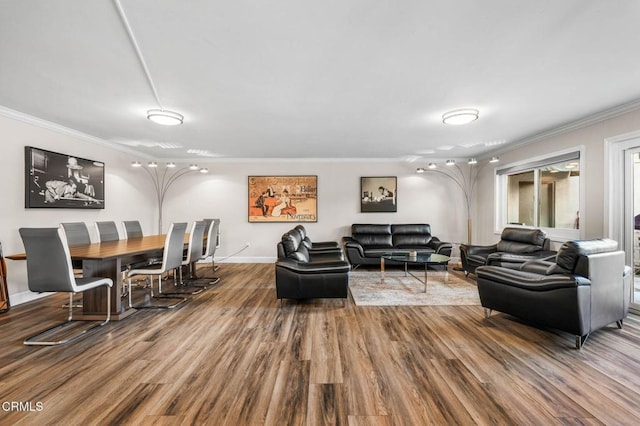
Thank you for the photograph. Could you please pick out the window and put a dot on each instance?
(543, 192)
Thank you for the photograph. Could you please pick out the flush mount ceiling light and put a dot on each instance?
(460, 116)
(420, 170)
(165, 117)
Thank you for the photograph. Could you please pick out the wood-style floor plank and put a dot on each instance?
(233, 355)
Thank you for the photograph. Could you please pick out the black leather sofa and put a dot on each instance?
(369, 241)
(516, 246)
(308, 274)
(586, 288)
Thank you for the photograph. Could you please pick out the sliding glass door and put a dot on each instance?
(632, 218)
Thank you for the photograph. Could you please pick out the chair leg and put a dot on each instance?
(580, 340)
(179, 300)
(487, 313)
(184, 287)
(619, 323)
(32, 340)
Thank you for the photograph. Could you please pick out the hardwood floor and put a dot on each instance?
(232, 356)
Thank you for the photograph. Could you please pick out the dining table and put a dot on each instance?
(106, 259)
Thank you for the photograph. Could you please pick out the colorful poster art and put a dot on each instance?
(283, 199)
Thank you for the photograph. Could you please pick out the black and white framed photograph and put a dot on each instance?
(379, 194)
(54, 180)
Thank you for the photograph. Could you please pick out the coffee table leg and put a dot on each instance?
(382, 268)
(425, 277)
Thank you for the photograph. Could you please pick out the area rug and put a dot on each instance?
(443, 288)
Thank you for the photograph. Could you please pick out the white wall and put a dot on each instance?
(222, 193)
(592, 137)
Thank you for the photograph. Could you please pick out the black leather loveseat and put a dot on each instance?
(303, 273)
(516, 246)
(369, 241)
(586, 288)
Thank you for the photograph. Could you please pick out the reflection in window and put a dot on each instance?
(545, 193)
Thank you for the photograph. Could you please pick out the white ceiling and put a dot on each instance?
(319, 79)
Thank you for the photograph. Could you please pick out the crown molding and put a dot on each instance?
(48, 125)
(567, 127)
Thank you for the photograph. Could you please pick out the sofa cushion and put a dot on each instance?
(410, 240)
(524, 235)
(363, 228)
(374, 240)
(570, 252)
(290, 242)
(517, 247)
(418, 228)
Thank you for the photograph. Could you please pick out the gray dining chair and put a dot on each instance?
(77, 233)
(171, 259)
(194, 253)
(49, 270)
(132, 229)
(107, 231)
(212, 231)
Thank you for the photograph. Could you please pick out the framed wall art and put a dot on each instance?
(379, 194)
(283, 199)
(54, 180)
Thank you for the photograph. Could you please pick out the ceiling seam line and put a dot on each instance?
(134, 42)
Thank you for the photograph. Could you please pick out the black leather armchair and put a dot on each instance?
(305, 274)
(587, 288)
(516, 246)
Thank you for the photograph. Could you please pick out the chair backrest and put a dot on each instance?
(212, 231)
(48, 260)
(523, 240)
(107, 231)
(76, 233)
(196, 240)
(174, 246)
(132, 229)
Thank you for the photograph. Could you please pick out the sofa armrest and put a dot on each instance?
(500, 257)
(472, 250)
(317, 267)
(528, 280)
(350, 243)
(325, 256)
(440, 247)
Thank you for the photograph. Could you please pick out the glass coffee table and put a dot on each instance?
(424, 259)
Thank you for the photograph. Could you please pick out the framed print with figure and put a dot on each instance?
(54, 180)
(283, 199)
(379, 194)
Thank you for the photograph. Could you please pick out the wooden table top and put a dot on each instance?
(112, 249)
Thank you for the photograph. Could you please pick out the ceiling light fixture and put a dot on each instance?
(171, 164)
(164, 117)
(472, 161)
(432, 165)
(450, 162)
(136, 164)
(420, 170)
(460, 116)
(494, 159)
(160, 115)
